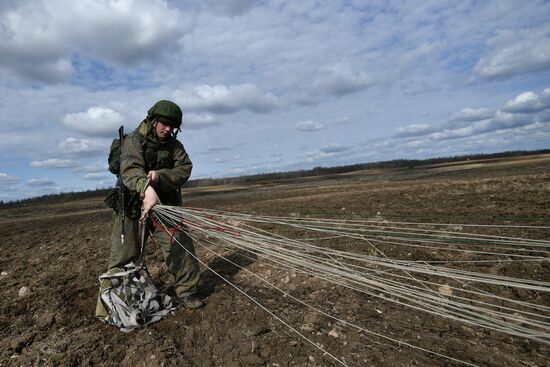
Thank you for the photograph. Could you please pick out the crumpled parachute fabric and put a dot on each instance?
(131, 299)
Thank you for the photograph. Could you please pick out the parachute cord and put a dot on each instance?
(260, 305)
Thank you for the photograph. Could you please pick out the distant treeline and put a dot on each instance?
(56, 198)
(320, 171)
(277, 176)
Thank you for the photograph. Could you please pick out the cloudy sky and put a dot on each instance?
(267, 85)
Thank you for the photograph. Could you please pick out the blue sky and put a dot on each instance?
(267, 85)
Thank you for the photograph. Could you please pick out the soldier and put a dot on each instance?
(152, 154)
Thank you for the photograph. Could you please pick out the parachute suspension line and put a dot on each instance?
(286, 294)
(364, 224)
(477, 291)
(161, 222)
(433, 238)
(358, 257)
(361, 272)
(399, 342)
(530, 257)
(436, 268)
(379, 221)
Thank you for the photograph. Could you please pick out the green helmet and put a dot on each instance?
(166, 112)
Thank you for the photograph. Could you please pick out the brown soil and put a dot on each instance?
(59, 250)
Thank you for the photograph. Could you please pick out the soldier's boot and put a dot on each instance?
(190, 302)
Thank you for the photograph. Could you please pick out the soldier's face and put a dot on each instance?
(163, 131)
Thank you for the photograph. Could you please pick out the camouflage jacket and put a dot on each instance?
(143, 151)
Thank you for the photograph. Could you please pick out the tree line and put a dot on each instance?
(320, 171)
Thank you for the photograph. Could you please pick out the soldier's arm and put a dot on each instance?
(173, 178)
(133, 163)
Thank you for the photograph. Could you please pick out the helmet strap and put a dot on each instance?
(175, 130)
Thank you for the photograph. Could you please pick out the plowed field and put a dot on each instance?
(58, 251)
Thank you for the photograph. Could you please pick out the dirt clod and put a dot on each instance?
(24, 291)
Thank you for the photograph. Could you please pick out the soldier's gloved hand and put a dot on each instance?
(153, 177)
(149, 201)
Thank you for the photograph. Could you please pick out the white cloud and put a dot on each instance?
(97, 121)
(40, 182)
(506, 120)
(528, 102)
(470, 122)
(222, 99)
(476, 127)
(309, 126)
(414, 130)
(471, 114)
(95, 167)
(516, 52)
(484, 142)
(96, 176)
(501, 121)
(196, 121)
(426, 49)
(415, 144)
(55, 163)
(39, 38)
(340, 80)
(82, 147)
(7, 179)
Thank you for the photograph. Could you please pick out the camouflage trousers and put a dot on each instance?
(176, 249)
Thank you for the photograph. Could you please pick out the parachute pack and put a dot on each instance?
(129, 299)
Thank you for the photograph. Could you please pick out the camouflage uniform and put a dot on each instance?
(142, 152)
